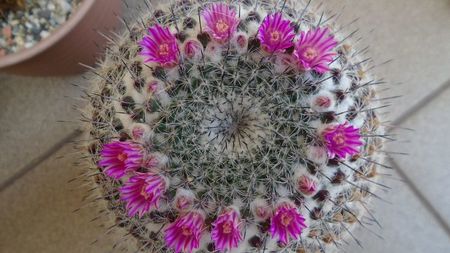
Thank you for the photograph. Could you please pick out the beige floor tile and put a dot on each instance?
(36, 216)
(37, 212)
(414, 33)
(31, 109)
(407, 227)
(29, 115)
(428, 162)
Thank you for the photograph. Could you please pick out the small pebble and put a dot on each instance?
(44, 34)
(24, 28)
(7, 32)
(45, 14)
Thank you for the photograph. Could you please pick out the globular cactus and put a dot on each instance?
(245, 126)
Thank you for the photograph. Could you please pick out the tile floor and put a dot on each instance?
(37, 160)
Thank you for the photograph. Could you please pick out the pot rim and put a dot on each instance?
(57, 35)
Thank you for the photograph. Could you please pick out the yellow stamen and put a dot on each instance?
(310, 53)
(339, 139)
(227, 227)
(275, 36)
(186, 231)
(163, 49)
(122, 157)
(222, 26)
(144, 193)
(286, 219)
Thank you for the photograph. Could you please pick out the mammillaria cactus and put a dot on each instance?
(238, 126)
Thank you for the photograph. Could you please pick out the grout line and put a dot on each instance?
(421, 104)
(405, 116)
(38, 160)
(444, 224)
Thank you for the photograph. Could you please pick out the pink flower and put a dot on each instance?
(261, 209)
(192, 49)
(241, 41)
(284, 62)
(306, 185)
(286, 222)
(160, 46)
(155, 160)
(317, 154)
(153, 86)
(226, 231)
(314, 50)
(275, 33)
(184, 234)
(342, 140)
(184, 200)
(120, 157)
(139, 131)
(142, 192)
(221, 22)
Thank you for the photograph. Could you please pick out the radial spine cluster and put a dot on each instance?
(237, 126)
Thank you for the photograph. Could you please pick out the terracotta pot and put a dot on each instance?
(75, 41)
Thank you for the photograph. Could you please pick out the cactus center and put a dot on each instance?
(234, 126)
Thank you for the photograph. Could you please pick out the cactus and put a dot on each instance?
(246, 126)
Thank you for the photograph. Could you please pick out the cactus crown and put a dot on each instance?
(248, 118)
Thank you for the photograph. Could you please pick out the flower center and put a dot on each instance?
(286, 219)
(144, 193)
(222, 26)
(275, 36)
(227, 227)
(186, 231)
(339, 139)
(122, 157)
(164, 49)
(310, 53)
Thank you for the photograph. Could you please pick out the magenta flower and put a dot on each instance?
(221, 22)
(160, 46)
(275, 33)
(286, 222)
(184, 234)
(342, 140)
(260, 209)
(120, 157)
(314, 50)
(155, 160)
(226, 231)
(142, 192)
(306, 185)
(184, 200)
(192, 49)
